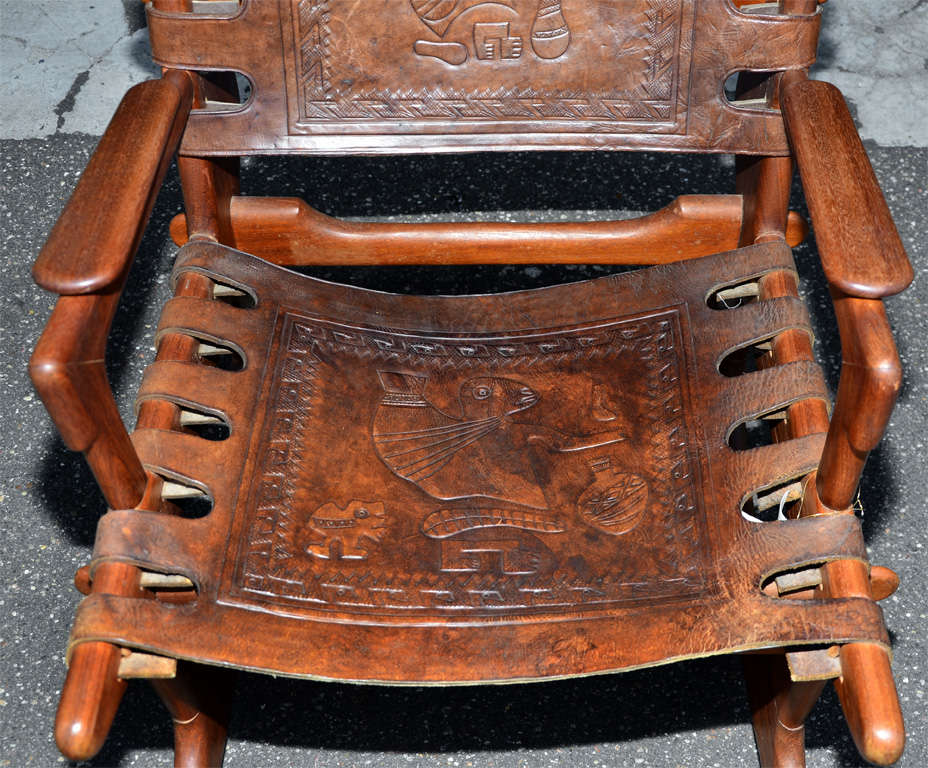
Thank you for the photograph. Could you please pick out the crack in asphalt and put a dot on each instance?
(67, 103)
(14, 38)
(915, 7)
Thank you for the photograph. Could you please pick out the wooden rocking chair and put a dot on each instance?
(507, 487)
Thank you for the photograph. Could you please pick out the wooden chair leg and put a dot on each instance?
(778, 705)
(208, 186)
(89, 699)
(93, 689)
(779, 708)
(199, 700)
(866, 688)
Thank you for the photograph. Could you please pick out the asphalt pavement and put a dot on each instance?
(67, 64)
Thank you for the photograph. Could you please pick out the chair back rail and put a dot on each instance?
(410, 76)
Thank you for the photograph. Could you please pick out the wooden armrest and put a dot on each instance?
(92, 244)
(859, 246)
(871, 376)
(86, 259)
(69, 373)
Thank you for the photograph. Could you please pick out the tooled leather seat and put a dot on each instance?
(518, 486)
(498, 485)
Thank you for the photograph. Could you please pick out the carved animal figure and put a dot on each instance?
(483, 452)
(346, 534)
(452, 457)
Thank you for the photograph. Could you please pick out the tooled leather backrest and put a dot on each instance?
(405, 76)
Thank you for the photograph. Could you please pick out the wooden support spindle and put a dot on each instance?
(199, 700)
(287, 231)
(93, 689)
(779, 705)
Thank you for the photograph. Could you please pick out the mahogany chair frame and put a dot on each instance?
(88, 255)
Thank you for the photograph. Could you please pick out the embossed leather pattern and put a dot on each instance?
(335, 76)
(420, 489)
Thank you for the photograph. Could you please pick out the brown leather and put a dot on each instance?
(454, 489)
(336, 76)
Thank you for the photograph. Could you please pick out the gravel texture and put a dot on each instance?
(66, 65)
(690, 714)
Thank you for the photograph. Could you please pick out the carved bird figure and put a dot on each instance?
(451, 457)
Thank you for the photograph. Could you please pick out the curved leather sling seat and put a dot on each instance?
(564, 481)
(480, 488)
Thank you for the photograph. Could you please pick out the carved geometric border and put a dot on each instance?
(263, 573)
(269, 530)
(651, 101)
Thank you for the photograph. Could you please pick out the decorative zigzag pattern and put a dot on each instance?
(369, 590)
(669, 440)
(499, 104)
(270, 538)
(380, 344)
(663, 23)
(313, 32)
